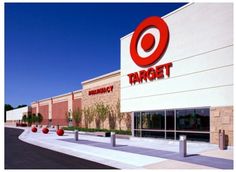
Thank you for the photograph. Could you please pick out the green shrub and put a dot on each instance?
(72, 128)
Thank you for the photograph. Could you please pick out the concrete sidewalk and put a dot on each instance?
(135, 152)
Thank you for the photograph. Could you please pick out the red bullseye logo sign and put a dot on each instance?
(147, 43)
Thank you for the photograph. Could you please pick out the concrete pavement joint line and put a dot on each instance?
(126, 160)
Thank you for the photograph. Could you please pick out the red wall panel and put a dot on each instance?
(58, 113)
(44, 112)
(34, 110)
(76, 104)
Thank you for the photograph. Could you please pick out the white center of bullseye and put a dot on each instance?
(156, 33)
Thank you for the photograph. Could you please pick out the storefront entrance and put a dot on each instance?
(170, 124)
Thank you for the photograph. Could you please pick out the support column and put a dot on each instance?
(37, 108)
(50, 109)
(70, 103)
(132, 123)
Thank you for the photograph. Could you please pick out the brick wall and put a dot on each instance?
(221, 118)
(77, 104)
(44, 112)
(34, 110)
(58, 113)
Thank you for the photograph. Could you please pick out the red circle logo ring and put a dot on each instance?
(148, 41)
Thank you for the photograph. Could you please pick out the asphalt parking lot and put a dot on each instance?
(21, 155)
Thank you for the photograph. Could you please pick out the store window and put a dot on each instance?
(195, 136)
(153, 120)
(137, 120)
(169, 124)
(153, 134)
(170, 120)
(193, 119)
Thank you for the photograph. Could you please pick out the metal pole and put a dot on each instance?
(132, 123)
(76, 135)
(182, 146)
(113, 139)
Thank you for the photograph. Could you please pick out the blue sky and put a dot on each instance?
(51, 48)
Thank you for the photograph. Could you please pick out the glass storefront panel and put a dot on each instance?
(137, 122)
(153, 120)
(153, 134)
(170, 135)
(193, 119)
(170, 120)
(203, 119)
(194, 123)
(137, 133)
(195, 136)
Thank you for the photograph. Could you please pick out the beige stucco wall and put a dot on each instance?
(77, 94)
(110, 98)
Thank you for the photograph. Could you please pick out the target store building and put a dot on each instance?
(176, 77)
(177, 74)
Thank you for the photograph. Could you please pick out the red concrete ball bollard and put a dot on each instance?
(45, 130)
(34, 129)
(60, 132)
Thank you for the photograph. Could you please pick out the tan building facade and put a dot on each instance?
(221, 118)
(105, 90)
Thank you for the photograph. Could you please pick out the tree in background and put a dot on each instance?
(68, 116)
(29, 119)
(97, 119)
(128, 121)
(24, 118)
(39, 118)
(7, 108)
(102, 111)
(91, 115)
(77, 115)
(88, 113)
(112, 119)
(120, 115)
(34, 118)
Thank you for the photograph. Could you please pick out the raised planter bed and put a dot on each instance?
(102, 134)
(21, 125)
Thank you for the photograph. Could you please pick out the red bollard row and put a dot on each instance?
(60, 132)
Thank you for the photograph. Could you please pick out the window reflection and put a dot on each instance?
(153, 120)
(193, 119)
(137, 122)
(170, 119)
(148, 124)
